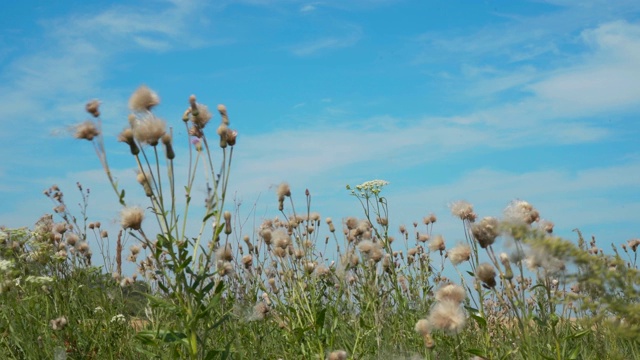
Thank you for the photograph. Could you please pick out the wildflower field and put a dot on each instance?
(300, 285)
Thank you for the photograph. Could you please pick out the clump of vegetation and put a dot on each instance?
(298, 286)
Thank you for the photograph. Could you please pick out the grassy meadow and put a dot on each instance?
(300, 285)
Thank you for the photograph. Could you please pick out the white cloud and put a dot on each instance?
(76, 49)
(607, 80)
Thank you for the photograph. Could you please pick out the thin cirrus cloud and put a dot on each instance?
(323, 44)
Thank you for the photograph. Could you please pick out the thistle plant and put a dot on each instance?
(180, 264)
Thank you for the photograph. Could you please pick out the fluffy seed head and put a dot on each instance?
(366, 246)
(486, 231)
(83, 247)
(144, 179)
(459, 254)
(149, 130)
(200, 115)
(247, 261)
(135, 250)
(87, 130)
(283, 190)
(437, 243)
(230, 137)
(224, 253)
(59, 323)
(131, 217)
(337, 355)
(266, 236)
(487, 274)
(93, 108)
(546, 226)
(260, 311)
(72, 239)
(143, 99)
(451, 292)
(433, 218)
(520, 211)
(463, 210)
(422, 327)
(280, 238)
(447, 316)
(351, 223)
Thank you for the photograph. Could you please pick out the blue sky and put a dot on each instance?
(486, 101)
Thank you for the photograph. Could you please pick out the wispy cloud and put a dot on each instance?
(76, 49)
(522, 37)
(307, 8)
(352, 36)
(608, 80)
(559, 194)
(602, 79)
(44, 90)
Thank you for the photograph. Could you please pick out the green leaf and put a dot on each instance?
(208, 288)
(479, 320)
(574, 354)
(209, 215)
(222, 354)
(298, 334)
(320, 315)
(477, 352)
(578, 334)
(163, 287)
(475, 315)
(163, 335)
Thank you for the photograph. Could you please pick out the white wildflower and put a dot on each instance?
(39, 279)
(5, 265)
(119, 319)
(367, 188)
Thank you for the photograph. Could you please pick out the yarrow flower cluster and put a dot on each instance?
(119, 319)
(367, 188)
(39, 279)
(5, 265)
